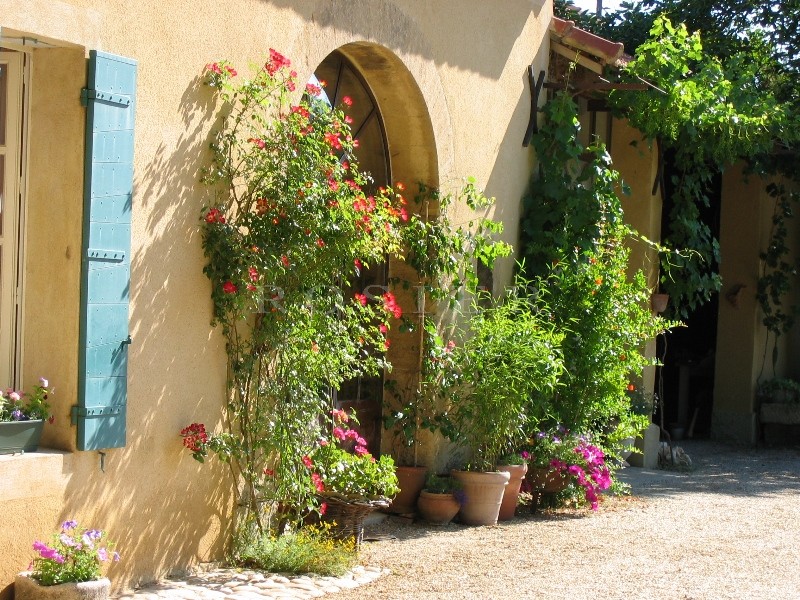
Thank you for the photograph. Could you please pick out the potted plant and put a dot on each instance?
(546, 447)
(350, 482)
(22, 417)
(779, 401)
(508, 365)
(559, 456)
(439, 500)
(69, 568)
(415, 412)
(443, 258)
(586, 465)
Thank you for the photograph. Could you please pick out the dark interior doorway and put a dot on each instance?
(685, 382)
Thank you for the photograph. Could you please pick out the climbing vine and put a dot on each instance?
(575, 246)
(711, 114)
(777, 272)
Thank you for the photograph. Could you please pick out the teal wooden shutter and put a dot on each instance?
(105, 274)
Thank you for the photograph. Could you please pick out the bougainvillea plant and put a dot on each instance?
(587, 466)
(292, 223)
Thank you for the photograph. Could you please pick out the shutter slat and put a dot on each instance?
(105, 288)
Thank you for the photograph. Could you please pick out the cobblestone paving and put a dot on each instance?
(230, 584)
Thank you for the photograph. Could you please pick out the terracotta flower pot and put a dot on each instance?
(411, 481)
(483, 494)
(511, 494)
(547, 480)
(27, 588)
(658, 302)
(437, 508)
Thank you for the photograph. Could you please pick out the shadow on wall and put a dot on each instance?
(477, 25)
(511, 174)
(168, 510)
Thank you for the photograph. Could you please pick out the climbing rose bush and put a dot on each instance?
(291, 225)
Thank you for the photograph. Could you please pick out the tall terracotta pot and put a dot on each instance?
(483, 494)
(410, 480)
(511, 494)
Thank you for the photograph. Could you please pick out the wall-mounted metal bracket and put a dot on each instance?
(94, 411)
(536, 84)
(106, 97)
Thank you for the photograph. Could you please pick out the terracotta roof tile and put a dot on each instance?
(610, 53)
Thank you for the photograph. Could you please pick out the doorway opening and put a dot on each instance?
(685, 382)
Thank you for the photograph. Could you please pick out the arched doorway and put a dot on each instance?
(396, 139)
(340, 79)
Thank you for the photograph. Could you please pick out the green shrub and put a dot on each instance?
(309, 550)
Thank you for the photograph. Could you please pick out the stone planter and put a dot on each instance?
(779, 412)
(511, 494)
(20, 436)
(437, 508)
(483, 494)
(27, 588)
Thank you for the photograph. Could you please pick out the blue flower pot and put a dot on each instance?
(20, 436)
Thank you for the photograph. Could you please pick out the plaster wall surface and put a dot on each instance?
(744, 228)
(637, 163)
(165, 511)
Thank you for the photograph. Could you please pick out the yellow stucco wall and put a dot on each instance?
(743, 351)
(637, 162)
(467, 59)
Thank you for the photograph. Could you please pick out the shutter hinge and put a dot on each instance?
(106, 97)
(94, 412)
(110, 255)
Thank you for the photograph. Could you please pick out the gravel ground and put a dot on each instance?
(728, 529)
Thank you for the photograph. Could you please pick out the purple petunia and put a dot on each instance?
(67, 525)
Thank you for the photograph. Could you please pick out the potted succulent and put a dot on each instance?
(440, 499)
(69, 568)
(508, 366)
(22, 417)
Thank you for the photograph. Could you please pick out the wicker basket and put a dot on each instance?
(347, 517)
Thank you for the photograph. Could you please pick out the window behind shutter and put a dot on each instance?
(105, 274)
